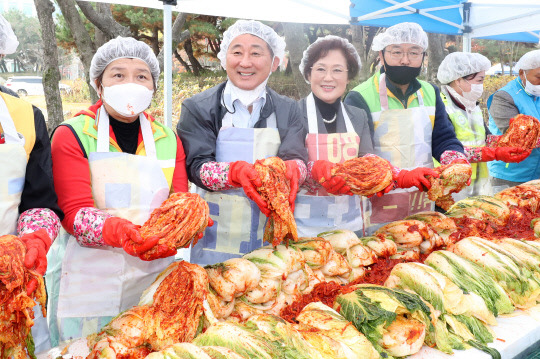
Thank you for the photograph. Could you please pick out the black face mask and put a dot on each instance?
(401, 75)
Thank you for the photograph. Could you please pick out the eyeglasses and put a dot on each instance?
(337, 72)
(398, 55)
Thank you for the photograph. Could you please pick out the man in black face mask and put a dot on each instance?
(409, 122)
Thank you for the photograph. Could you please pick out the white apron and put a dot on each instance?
(99, 283)
(238, 222)
(403, 137)
(13, 163)
(320, 212)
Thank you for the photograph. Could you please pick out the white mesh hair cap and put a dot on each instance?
(529, 61)
(256, 28)
(402, 33)
(8, 40)
(460, 64)
(121, 48)
(345, 45)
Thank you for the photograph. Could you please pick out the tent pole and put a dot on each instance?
(467, 42)
(167, 60)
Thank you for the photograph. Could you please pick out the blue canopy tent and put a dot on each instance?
(509, 20)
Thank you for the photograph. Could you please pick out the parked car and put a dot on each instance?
(30, 85)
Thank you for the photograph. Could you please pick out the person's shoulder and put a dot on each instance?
(4, 89)
(356, 112)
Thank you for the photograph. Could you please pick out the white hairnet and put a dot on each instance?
(529, 61)
(8, 40)
(331, 40)
(460, 64)
(402, 33)
(276, 43)
(121, 48)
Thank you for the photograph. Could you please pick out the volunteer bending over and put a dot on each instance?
(519, 96)
(226, 128)
(28, 203)
(462, 75)
(411, 126)
(112, 164)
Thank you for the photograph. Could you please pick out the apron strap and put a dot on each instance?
(8, 126)
(312, 116)
(383, 96)
(103, 133)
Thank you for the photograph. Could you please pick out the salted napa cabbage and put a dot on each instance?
(470, 277)
(180, 351)
(316, 251)
(340, 239)
(221, 353)
(379, 313)
(438, 290)
(511, 273)
(327, 347)
(278, 331)
(238, 339)
(332, 324)
(523, 250)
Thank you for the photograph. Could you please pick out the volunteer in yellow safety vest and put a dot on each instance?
(462, 75)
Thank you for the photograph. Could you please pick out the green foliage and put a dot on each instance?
(28, 32)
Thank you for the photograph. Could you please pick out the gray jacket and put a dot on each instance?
(200, 122)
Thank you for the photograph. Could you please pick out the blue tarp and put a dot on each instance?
(446, 16)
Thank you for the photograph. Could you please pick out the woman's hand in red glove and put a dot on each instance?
(121, 233)
(37, 245)
(505, 154)
(322, 173)
(416, 178)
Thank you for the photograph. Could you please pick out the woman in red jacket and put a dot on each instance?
(112, 165)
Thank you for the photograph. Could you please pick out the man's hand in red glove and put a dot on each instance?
(322, 170)
(293, 175)
(37, 244)
(505, 154)
(243, 174)
(121, 233)
(416, 178)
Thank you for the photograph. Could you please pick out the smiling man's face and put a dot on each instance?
(249, 61)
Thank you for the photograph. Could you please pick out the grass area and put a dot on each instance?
(69, 108)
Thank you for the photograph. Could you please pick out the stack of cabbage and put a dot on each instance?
(268, 279)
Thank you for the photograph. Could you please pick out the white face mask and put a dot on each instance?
(128, 99)
(468, 99)
(532, 89)
(247, 97)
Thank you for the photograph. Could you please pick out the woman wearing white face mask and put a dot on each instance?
(462, 75)
(112, 165)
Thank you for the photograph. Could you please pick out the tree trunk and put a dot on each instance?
(178, 36)
(297, 42)
(84, 43)
(362, 36)
(501, 57)
(436, 53)
(181, 60)
(51, 75)
(195, 65)
(103, 19)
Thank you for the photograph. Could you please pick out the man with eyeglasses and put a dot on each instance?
(410, 123)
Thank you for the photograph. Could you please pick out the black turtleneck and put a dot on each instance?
(127, 134)
(328, 111)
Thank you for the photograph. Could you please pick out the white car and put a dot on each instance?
(30, 85)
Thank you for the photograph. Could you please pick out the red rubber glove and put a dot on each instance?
(121, 233)
(37, 244)
(390, 187)
(293, 175)
(416, 178)
(505, 154)
(243, 174)
(333, 184)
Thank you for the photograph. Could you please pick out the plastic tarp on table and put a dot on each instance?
(509, 20)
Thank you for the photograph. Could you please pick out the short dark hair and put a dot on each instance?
(470, 76)
(322, 47)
